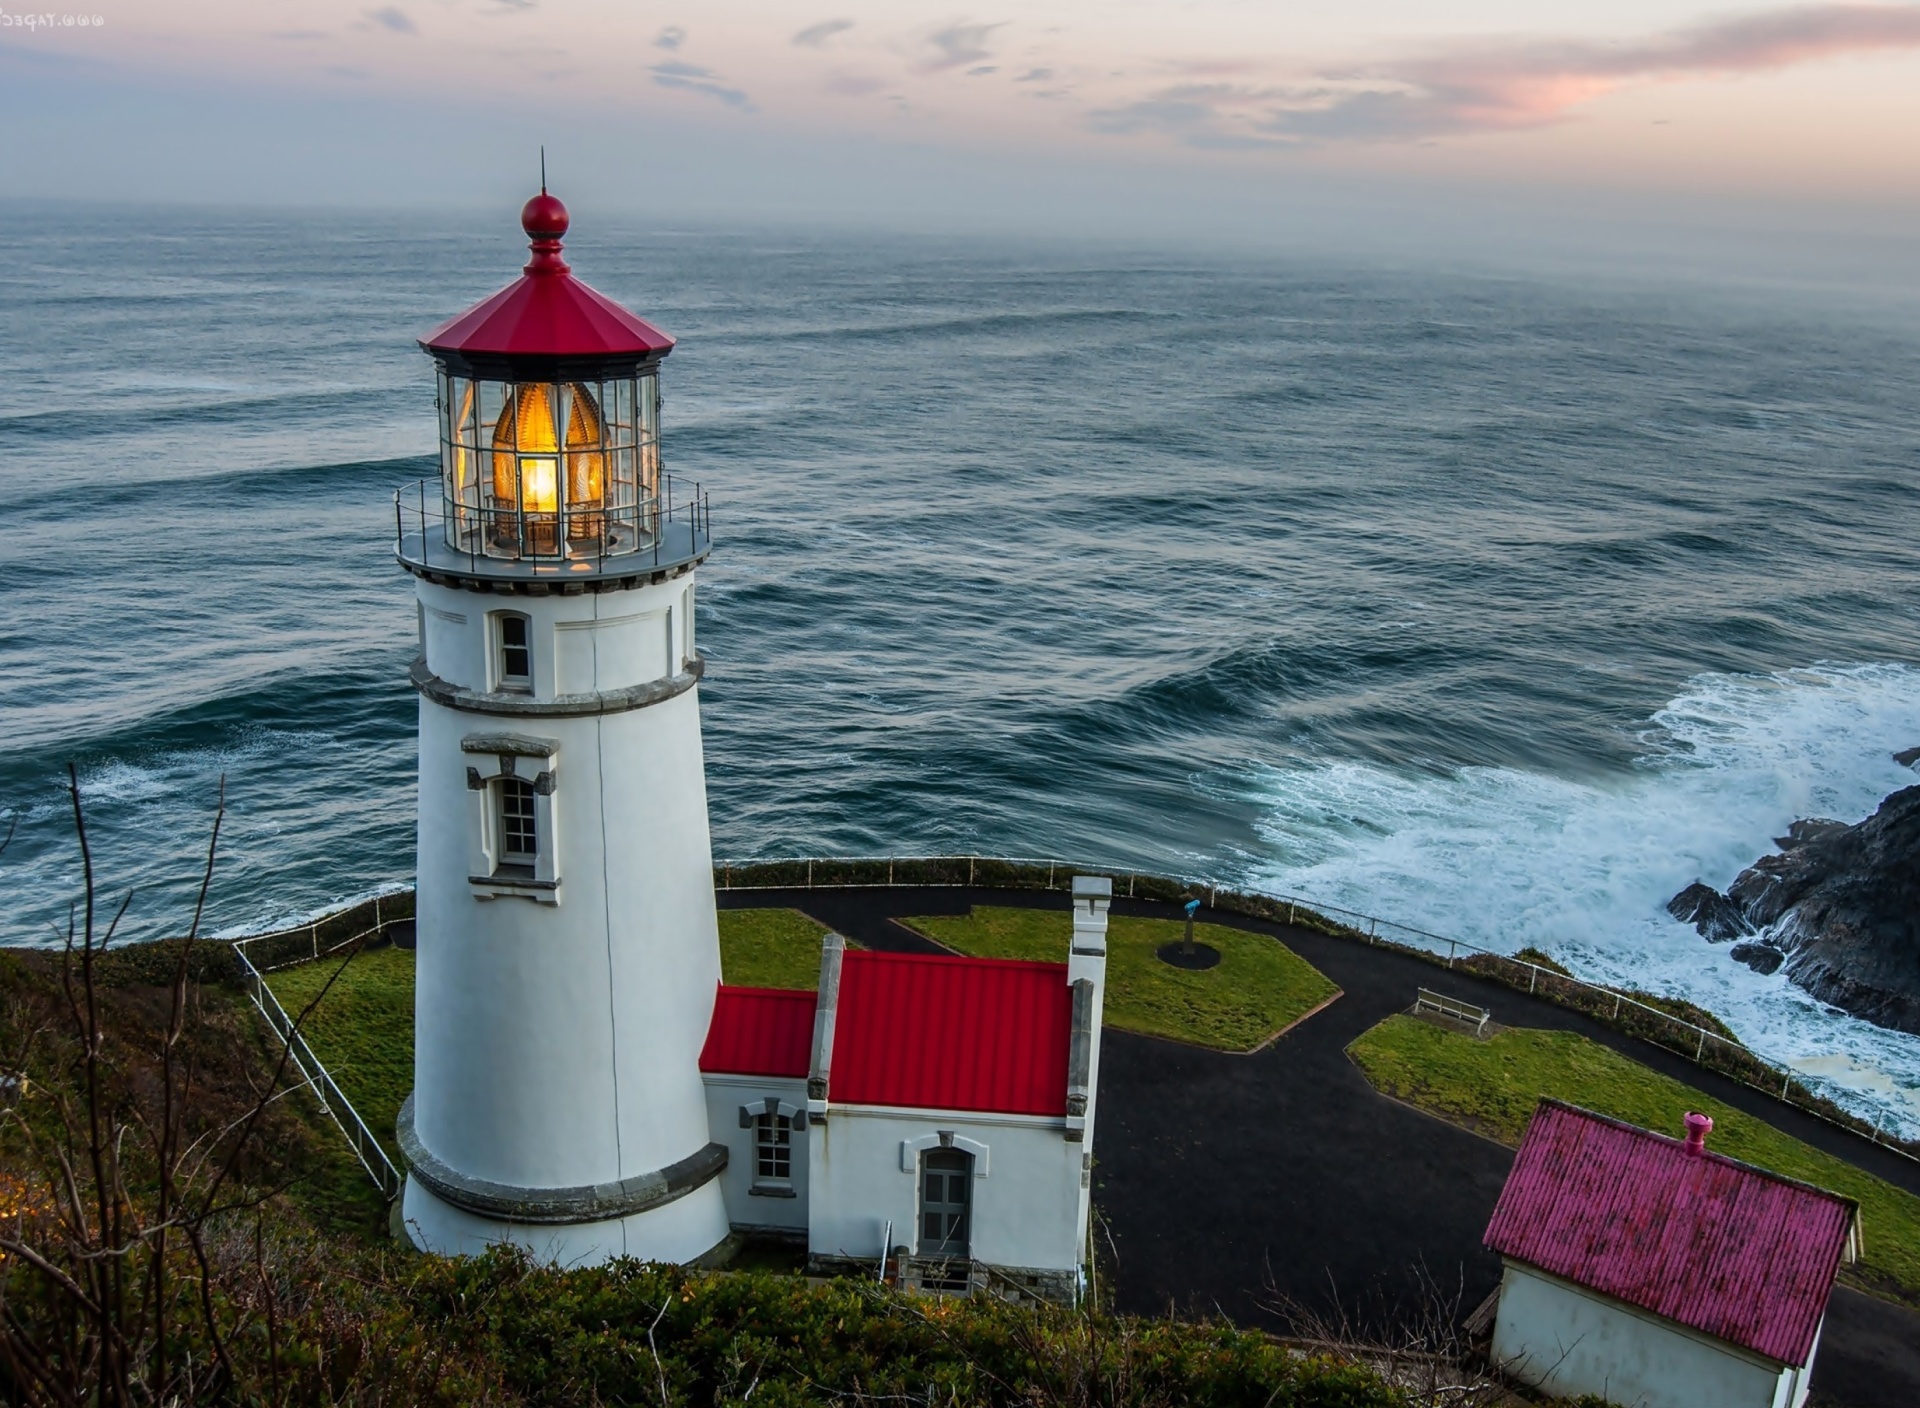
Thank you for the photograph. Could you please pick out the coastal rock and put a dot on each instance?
(1801, 833)
(1907, 757)
(1840, 906)
(1762, 958)
(1716, 917)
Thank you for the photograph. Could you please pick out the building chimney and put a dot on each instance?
(1698, 1127)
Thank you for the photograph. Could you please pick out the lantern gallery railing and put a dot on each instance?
(433, 533)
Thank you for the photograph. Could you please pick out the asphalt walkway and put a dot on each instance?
(1257, 1186)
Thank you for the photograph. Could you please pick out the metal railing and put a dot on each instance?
(1637, 1014)
(313, 1072)
(666, 527)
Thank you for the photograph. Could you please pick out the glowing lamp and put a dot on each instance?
(549, 414)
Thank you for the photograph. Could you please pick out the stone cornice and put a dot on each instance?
(610, 701)
(588, 1202)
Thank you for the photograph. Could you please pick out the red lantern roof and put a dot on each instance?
(546, 316)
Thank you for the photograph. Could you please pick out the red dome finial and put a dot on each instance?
(544, 219)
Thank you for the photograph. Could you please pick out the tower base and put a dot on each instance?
(681, 1231)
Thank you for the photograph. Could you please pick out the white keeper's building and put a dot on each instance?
(584, 1086)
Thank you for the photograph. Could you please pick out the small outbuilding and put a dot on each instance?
(922, 1116)
(1645, 1270)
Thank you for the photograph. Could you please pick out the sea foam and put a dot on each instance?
(1505, 858)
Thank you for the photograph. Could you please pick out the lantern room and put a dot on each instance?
(549, 410)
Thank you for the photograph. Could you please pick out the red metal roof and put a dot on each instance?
(547, 313)
(760, 1032)
(940, 1033)
(1713, 1243)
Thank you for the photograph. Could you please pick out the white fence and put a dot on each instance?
(313, 1073)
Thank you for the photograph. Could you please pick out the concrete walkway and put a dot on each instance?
(1245, 1185)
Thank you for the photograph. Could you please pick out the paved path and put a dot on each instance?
(1245, 1184)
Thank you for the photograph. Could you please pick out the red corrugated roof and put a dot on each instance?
(1715, 1244)
(760, 1032)
(941, 1033)
(547, 313)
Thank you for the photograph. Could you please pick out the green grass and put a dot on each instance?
(362, 1030)
(1492, 1086)
(1258, 988)
(770, 948)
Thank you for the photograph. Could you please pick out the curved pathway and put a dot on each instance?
(1245, 1185)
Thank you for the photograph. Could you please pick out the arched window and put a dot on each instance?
(772, 1150)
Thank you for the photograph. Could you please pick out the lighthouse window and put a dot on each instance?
(516, 651)
(519, 838)
(772, 1148)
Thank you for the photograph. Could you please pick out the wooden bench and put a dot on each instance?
(1475, 1017)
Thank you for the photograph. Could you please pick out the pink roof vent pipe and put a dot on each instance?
(1699, 1126)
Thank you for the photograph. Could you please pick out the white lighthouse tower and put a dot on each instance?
(568, 954)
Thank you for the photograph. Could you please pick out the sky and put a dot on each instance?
(1167, 113)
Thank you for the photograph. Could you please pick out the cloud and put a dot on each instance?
(982, 70)
(959, 46)
(1504, 87)
(672, 37)
(297, 36)
(394, 18)
(1035, 75)
(815, 35)
(694, 79)
(854, 85)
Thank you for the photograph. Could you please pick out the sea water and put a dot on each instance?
(1500, 604)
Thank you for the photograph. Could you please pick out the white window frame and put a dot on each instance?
(493, 759)
(505, 860)
(497, 647)
(768, 1147)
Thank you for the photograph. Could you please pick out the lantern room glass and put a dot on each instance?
(550, 469)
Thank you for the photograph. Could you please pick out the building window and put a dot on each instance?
(514, 662)
(519, 835)
(772, 1149)
(946, 1193)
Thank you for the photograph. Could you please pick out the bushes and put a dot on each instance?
(633, 1333)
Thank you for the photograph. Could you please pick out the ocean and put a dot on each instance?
(1498, 603)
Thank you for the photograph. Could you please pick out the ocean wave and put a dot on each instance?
(1507, 858)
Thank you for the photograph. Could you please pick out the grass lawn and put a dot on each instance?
(1491, 1086)
(363, 1029)
(770, 948)
(1259, 987)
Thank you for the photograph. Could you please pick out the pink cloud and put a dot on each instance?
(1509, 86)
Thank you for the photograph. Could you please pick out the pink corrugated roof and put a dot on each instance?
(941, 1033)
(1715, 1244)
(760, 1032)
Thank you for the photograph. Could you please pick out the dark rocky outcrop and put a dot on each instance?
(1802, 833)
(1762, 958)
(1716, 917)
(1839, 904)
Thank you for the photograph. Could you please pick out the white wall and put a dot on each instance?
(1569, 1341)
(725, 1095)
(1026, 1210)
(558, 1044)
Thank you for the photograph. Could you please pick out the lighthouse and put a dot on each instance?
(568, 955)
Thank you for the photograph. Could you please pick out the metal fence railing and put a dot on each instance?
(304, 944)
(1642, 1015)
(1669, 1025)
